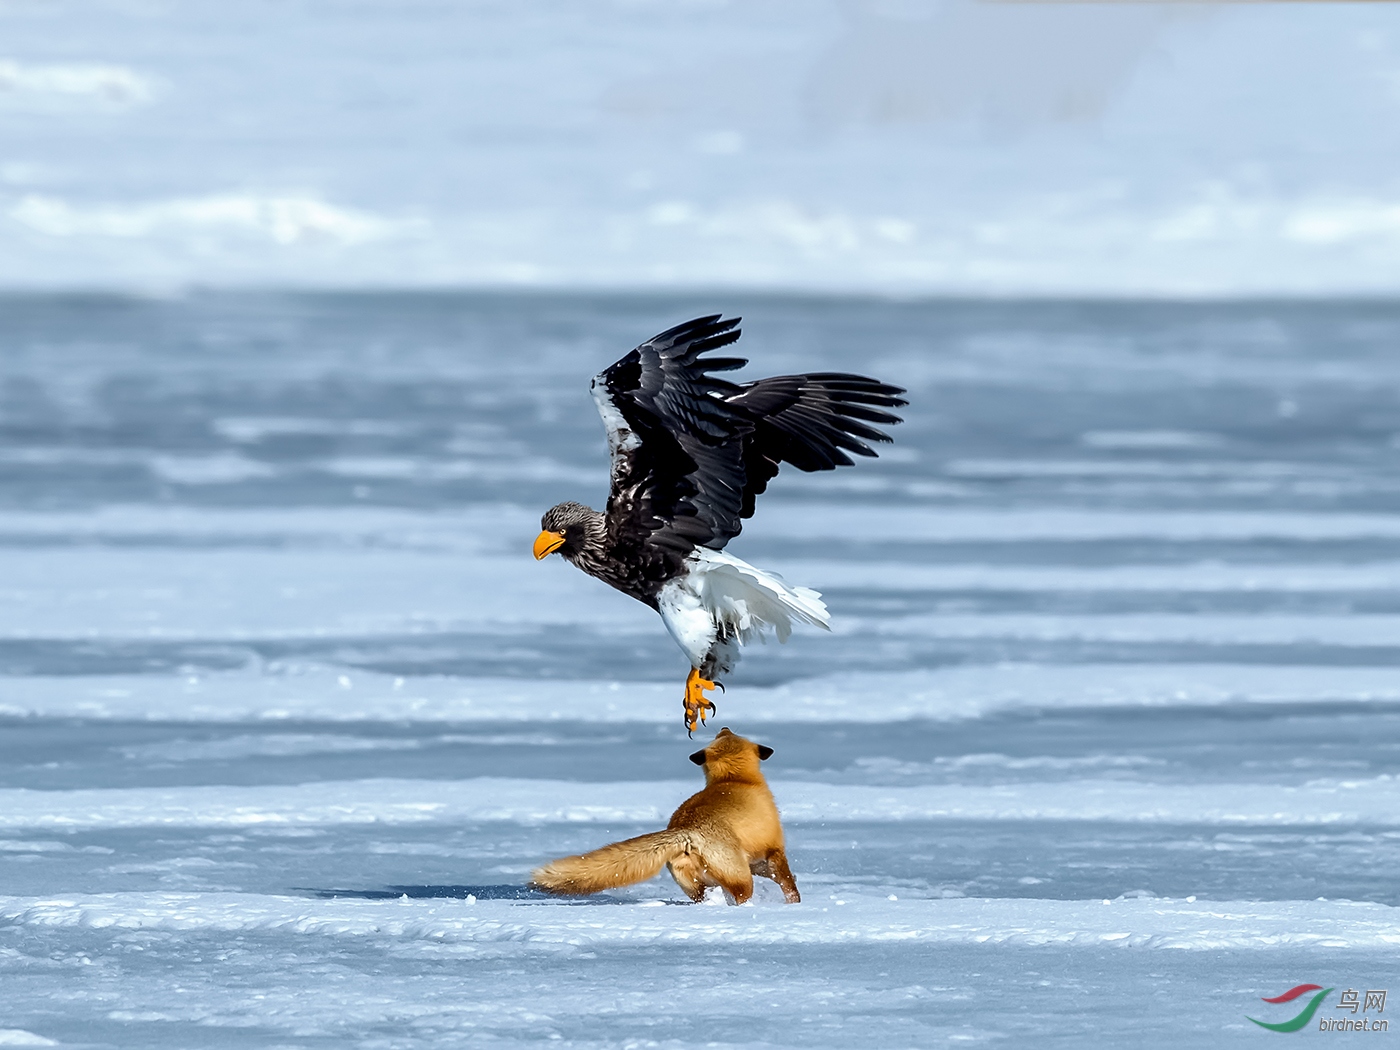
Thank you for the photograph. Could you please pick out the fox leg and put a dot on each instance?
(738, 888)
(689, 874)
(780, 873)
(696, 705)
(727, 867)
(720, 865)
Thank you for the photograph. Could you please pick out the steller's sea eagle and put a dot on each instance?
(690, 452)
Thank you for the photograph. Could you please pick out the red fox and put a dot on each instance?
(722, 836)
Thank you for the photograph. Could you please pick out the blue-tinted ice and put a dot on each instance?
(1112, 698)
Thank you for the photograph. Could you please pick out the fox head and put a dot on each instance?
(731, 757)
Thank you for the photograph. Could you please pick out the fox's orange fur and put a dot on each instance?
(722, 836)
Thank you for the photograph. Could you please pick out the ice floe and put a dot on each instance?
(1370, 801)
(948, 693)
(526, 926)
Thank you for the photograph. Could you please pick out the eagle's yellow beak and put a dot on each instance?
(546, 543)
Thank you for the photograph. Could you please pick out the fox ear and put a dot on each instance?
(764, 752)
(698, 758)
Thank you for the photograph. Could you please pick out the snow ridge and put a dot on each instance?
(1149, 923)
(1374, 801)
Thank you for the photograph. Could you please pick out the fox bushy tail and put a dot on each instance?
(618, 864)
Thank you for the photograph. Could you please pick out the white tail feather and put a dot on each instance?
(721, 600)
(746, 600)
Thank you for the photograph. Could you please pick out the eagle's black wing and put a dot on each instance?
(676, 443)
(691, 452)
(811, 421)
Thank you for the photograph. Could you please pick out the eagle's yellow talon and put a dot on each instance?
(697, 707)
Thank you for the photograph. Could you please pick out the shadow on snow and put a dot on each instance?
(481, 893)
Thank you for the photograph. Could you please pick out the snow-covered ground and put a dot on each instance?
(1104, 746)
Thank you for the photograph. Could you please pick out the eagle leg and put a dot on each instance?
(697, 708)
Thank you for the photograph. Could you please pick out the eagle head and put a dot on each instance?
(564, 529)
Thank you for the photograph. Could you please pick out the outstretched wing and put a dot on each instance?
(691, 452)
(677, 454)
(812, 422)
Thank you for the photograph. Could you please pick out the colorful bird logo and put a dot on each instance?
(1304, 1016)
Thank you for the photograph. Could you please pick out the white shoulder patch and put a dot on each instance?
(620, 435)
